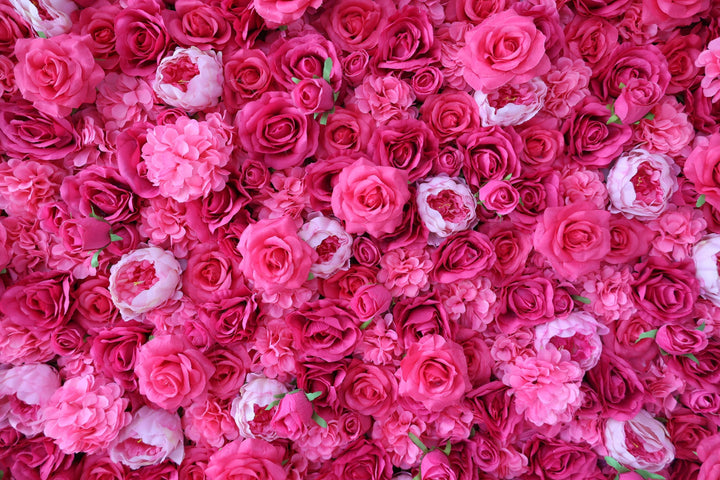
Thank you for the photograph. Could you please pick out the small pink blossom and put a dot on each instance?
(710, 59)
(405, 271)
(385, 98)
(207, 424)
(676, 231)
(578, 333)
(567, 84)
(610, 293)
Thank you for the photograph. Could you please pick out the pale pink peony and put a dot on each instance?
(676, 231)
(26, 184)
(331, 242)
(445, 205)
(511, 104)
(51, 17)
(85, 414)
(578, 333)
(385, 98)
(546, 388)
(642, 443)
(207, 424)
(186, 160)
(710, 59)
(583, 185)
(705, 256)
(190, 78)
(405, 271)
(124, 100)
(567, 84)
(24, 391)
(152, 437)
(640, 184)
(258, 391)
(143, 280)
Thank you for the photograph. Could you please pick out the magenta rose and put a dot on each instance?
(40, 301)
(303, 56)
(100, 191)
(249, 458)
(405, 145)
(420, 316)
(130, 163)
(93, 308)
(463, 255)
(406, 42)
(370, 198)
(276, 131)
(664, 290)
(370, 300)
(210, 275)
(702, 168)
(293, 416)
(313, 95)
(356, 24)
(528, 301)
(57, 74)
(504, 48)
(490, 154)
(620, 391)
(450, 114)
(434, 373)
(195, 23)
(246, 77)
(324, 330)
(499, 196)
(27, 132)
(274, 257)
(436, 466)
(512, 248)
(141, 37)
(554, 459)
(591, 140)
(574, 238)
(368, 389)
(363, 459)
(281, 12)
(115, 351)
(233, 319)
(679, 340)
(171, 373)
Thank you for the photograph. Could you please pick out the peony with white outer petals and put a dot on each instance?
(511, 104)
(578, 333)
(642, 443)
(190, 78)
(446, 206)
(705, 255)
(258, 390)
(331, 242)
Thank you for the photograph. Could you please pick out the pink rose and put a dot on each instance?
(293, 416)
(434, 373)
(363, 459)
(463, 255)
(368, 389)
(702, 168)
(40, 301)
(504, 48)
(246, 77)
(190, 79)
(115, 351)
(664, 290)
(370, 300)
(194, 23)
(141, 37)
(590, 139)
(144, 280)
(574, 238)
(152, 437)
(499, 196)
(356, 24)
(436, 466)
(27, 132)
(277, 12)
(250, 458)
(370, 198)
(709, 454)
(406, 42)
(313, 95)
(450, 114)
(210, 275)
(275, 258)
(679, 340)
(445, 205)
(57, 74)
(672, 13)
(406, 145)
(489, 154)
(171, 373)
(639, 443)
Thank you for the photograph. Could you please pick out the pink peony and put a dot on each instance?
(567, 84)
(546, 388)
(258, 391)
(385, 98)
(445, 205)
(52, 17)
(190, 79)
(639, 443)
(186, 160)
(331, 242)
(144, 280)
(152, 437)
(578, 333)
(511, 104)
(85, 414)
(705, 255)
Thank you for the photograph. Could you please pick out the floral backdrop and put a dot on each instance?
(357, 239)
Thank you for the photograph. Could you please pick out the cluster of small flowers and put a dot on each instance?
(360, 239)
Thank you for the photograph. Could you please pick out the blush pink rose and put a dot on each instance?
(504, 48)
(190, 79)
(434, 373)
(85, 414)
(247, 458)
(171, 373)
(57, 74)
(639, 443)
(574, 238)
(275, 258)
(370, 198)
(144, 280)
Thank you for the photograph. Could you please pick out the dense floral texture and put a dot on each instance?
(360, 239)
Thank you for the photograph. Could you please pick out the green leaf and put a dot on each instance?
(272, 404)
(701, 327)
(645, 474)
(4, 270)
(418, 442)
(448, 448)
(616, 465)
(41, 34)
(416, 477)
(284, 462)
(311, 276)
(115, 238)
(649, 116)
(648, 334)
(323, 119)
(327, 69)
(295, 79)
(313, 396)
(95, 215)
(581, 299)
(663, 352)
(319, 420)
(150, 337)
(613, 119)
(692, 357)
(365, 324)
(335, 96)
(94, 260)
(282, 28)
(622, 85)
(507, 177)
(700, 201)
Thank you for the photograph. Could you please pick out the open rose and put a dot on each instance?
(702, 168)
(248, 458)
(283, 12)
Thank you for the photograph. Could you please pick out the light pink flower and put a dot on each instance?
(385, 98)
(641, 183)
(186, 160)
(511, 104)
(405, 271)
(190, 78)
(677, 231)
(392, 434)
(567, 84)
(124, 100)
(578, 333)
(379, 344)
(669, 131)
(144, 280)
(51, 17)
(26, 184)
(705, 256)
(331, 242)
(166, 224)
(610, 293)
(152, 437)
(445, 205)
(258, 391)
(85, 414)
(640, 443)
(545, 388)
(207, 424)
(583, 185)
(33, 383)
(710, 59)
(470, 302)
(283, 12)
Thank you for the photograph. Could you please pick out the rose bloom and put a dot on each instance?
(85, 414)
(274, 257)
(152, 437)
(445, 205)
(434, 373)
(461, 256)
(511, 104)
(504, 48)
(663, 289)
(578, 333)
(247, 458)
(258, 391)
(331, 242)
(574, 238)
(639, 443)
(171, 373)
(57, 74)
(369, 389)
(190, 79)
(640, 184)
(143, 280)
(187, 159)
(702, 168)
(499, 196)
(51, 17)
(705, 256)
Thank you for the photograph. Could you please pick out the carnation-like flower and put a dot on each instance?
(258, 391)
(207, 423)
(331, 242)
(511, 104)
(385, 98)
(546, 388)
(642, 443)
(705, 256)
(124, 100)
(186, 160)
(85, 414)
(578, 333)
(405, 271)
(445, 205)
(641, 183)
(190, 78)
(152, 437)
(144, 280)
(710, 59)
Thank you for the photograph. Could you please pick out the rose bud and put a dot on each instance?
(678, 340)
(292, 416)
(313, 95)
(369, 300)
(436, 466)
(85, 234)
(499, 196)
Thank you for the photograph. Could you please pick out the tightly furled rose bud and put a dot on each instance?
(499, 196)
(313, 95)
